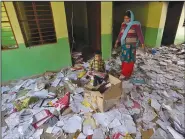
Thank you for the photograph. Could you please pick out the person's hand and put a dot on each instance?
(143, 46)
(116, 45)
(90, 72)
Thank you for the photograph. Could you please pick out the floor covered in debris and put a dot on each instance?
(151, 105)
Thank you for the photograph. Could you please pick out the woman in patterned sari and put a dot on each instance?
(130, 35)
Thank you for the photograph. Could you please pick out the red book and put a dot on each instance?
(63, 102)
(40, 118)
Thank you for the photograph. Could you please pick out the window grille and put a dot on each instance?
(36, 22)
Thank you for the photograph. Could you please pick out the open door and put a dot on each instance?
(172, 22)
(76, 16)
(84, 27)
(94, 24)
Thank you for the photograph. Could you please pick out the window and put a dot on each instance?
(8, 40)
(184, 23)
(36, 22)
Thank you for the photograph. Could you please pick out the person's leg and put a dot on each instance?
(122, 68)
(122, 71)
(131, 66)
(128, 69)
(106, 78)
(95, 82)
(100, 80)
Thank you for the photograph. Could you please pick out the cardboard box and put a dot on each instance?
(109, 98)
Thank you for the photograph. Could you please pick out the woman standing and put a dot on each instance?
(130, 35)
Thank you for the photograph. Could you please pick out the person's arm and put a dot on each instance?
(119, 36)
(104, 69)
(91, 65)
(140, 34)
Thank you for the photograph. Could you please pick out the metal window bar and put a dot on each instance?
(8, 40)
(41, 28)
(44, 36)
(37, 10)
(44, 40)
(41, 32)
(36, 22)
(42, 23)
(42, 15)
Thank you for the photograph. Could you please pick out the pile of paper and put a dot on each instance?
(77, 57)
(153, 107)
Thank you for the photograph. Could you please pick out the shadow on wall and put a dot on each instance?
(140, 10)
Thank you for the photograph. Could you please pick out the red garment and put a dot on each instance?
(127, 69)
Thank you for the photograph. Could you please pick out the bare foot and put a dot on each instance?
(121, 77)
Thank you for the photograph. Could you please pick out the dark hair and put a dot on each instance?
(127, 14)
(98, 52)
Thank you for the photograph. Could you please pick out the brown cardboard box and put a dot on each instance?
(109, 98)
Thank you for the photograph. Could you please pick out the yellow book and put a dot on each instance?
(81, 74)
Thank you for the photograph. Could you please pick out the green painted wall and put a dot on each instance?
(106, 41)
(152, 36)
(24, 61)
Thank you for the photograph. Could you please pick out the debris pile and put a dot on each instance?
(77, 58)
(55, 103)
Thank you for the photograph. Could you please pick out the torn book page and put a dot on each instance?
(155, 104)
(98, 134)
(37, 134)
(26, 130)
(102, 119)
(149, 115)
(175, 134)
(81, 136)
(114, 123)
(12, 120)
(129, 123)
(73, 124)
(5, 89)
(79, 90)
(25, 117)
(87, 130)
(159, 134)
(162, 124)
(56, 82)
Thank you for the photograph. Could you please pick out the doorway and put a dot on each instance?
(140, 10)
(84, 27)
(94, 24)
(172, 22)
